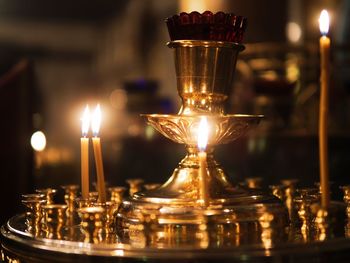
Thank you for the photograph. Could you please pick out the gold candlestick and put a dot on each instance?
(323, 111)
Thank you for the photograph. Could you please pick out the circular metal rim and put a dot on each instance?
(214, 116)
(205, 43)
(13, 236)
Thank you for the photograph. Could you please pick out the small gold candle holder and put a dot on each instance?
(278, 191)
(81, 202)
(49, 192)
(116, 194)
(346, 198)
(92, 223)
(108, 219)
(55, 216)
(306, 198)
(70, 194)
(266, 229)
(253, 182)
(93, 196)
(289, 194)
(322, 224)
(34, 214)
(135, 185)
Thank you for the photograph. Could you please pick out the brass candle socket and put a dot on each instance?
(70, 195)
(306, 197)
(110, 209)
(49, 192)
(278, 191)
(253, 182)
(34, 213)
(267, 230)
(55, 217)
(346, 198)
(93, 196)
(289, 194)
(92, 223)
(322, 224)
(116, 194)
(135, 185)
(81, 202)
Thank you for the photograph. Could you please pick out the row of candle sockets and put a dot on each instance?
(305, 209)
(46, 219)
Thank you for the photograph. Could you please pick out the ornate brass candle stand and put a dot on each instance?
(237, 223)
(204, 72)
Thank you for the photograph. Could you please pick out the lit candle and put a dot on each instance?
(96, 142)
(323, 111)
(202, 155)
(84, 145)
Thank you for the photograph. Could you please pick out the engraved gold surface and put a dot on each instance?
(184, 129)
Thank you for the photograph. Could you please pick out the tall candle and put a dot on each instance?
(202, 156)
(323, 111)
(96, 142)
(84, 145)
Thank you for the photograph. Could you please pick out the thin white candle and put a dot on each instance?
(96, 142)
(84, 144)
(323, 111)
(202, 156)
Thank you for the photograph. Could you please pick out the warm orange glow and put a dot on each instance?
(324, 22)
(203, 131)
(85, 121)
(96, 120)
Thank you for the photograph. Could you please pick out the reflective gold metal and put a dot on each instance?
(266, 230)
(289, 194)
(116, 194)
(93, 196)
(135, 185)
(346, 198)
(34, 214)
(71, 193)
(306, 198)
(81, 202)
(49, 192)
(322, 223)
(151, 186)
(278, 191)
(55, 217)
(253, 182)
(92, 223)
(204, 71)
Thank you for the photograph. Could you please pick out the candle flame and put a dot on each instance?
(85, 121)
(203, 132)
(324, 22)
(96, 120)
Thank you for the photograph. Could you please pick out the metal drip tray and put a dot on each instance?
(18, 243)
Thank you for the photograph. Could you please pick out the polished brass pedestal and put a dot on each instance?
(204, 71)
